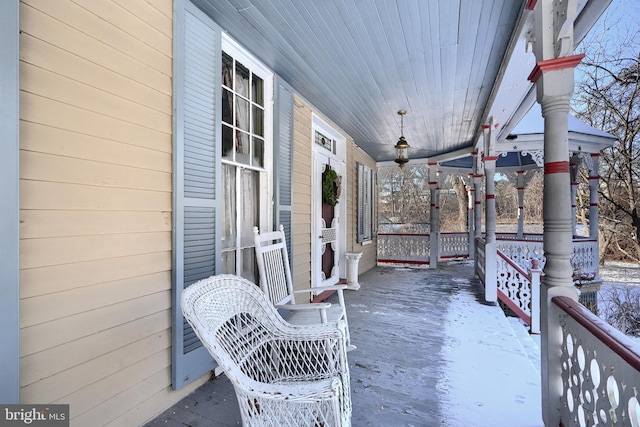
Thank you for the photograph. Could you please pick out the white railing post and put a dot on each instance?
(490, 272)
(535, 272)
(489, 160)
(470, 225)
(434, 220)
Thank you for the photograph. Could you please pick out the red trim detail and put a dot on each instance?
(404, 234)
(573, 206)
(478, 176)
(519, 172)
(531, 4)
(520, 188)
(520, 207)
(516, 309)
(432, 163)
(474, 153)
(595, 154)
(592, 324)
(485, 126)
(323, 296)
(496, 125)
(433, 182)
(395, 261)
(595, 177)
(477, 202)
(470, 190)
(553, 65)
(593, 204)
(574, 183)
(556, 167)
(433, 205)
(489, 158)
(491, 196)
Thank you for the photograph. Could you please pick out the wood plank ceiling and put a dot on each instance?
(360, 61)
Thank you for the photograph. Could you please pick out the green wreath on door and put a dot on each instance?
(331, 186)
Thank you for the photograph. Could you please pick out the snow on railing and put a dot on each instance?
(513, 236)
(600, 369)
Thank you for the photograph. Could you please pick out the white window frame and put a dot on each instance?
(235, 50)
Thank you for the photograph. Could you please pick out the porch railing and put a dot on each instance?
(454, 245)
(600, 369)
(585, 253)
(520, 290)
(403, 248)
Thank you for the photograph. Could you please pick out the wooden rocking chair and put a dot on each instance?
(283, 375)
(276, 283)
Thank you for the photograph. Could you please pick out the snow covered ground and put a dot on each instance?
(621, 281)
(620, 273)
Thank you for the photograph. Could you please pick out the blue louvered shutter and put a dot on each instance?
(283, 158)
(197, 53)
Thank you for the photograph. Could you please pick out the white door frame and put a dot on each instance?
(337, 162)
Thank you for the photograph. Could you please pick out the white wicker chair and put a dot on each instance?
(283, 375)
(276, 282)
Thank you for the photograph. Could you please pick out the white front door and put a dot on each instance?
(326, 222)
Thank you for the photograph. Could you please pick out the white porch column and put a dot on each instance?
(434, 226)
(574, 168)
(489, 160)
(520, 204)
(477, 194)
(594, 181)
(470, 225)
(554, 79)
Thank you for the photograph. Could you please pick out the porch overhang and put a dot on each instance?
(450, 65)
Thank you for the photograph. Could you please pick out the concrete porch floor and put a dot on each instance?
(430, 353)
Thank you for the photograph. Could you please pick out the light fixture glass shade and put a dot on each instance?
(402, 152)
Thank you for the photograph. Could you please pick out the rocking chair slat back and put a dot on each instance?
(273, 264)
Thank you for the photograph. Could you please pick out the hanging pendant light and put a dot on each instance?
(402, 148)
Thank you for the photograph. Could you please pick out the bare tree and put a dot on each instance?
(403, 194)
(608, 98)
(620, 308)
(457, 181)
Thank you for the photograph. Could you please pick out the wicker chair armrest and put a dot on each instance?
(312, 333)
(319, 289)
(305, 306)
(293, 391)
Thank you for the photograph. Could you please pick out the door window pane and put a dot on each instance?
(249, 215)
(227, 142)
(242, 80)
(242, 114)
(227, 70)
(227, 107)
(257, 90)
(229, 227)
(258, 152)
(258, 121)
